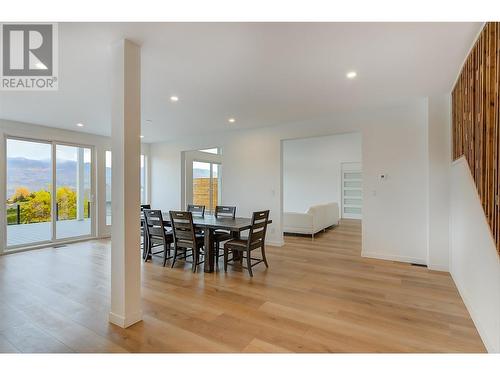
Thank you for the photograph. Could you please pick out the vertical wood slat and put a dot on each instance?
(475, 121)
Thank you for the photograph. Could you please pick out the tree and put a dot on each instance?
(66, 201)
(21, 194)
(37, 209)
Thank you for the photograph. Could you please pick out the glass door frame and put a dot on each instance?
(53, 193)
(210, 209)
(187, 159)
(92, 200)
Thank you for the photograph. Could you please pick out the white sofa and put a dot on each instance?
(316, 219)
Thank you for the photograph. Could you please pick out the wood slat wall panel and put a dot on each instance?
(475, 120)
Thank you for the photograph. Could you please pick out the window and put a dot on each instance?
(214, 150)
(206, 184)
(108, 187)
(144, 197)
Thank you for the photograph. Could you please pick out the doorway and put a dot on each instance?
(203, 178)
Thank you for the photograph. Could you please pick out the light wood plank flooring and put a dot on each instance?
(316, 296)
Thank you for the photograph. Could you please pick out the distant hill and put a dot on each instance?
(37, 174)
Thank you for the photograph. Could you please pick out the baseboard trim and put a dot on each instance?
(439, 267)
(46, 245)
(125, 321)
(276, 243)
(397, 258)
(474, 316)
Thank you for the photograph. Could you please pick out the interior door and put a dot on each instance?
(352, 191)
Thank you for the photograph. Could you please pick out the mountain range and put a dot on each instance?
(37, 174)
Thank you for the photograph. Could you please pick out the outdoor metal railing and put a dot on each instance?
(14, 214)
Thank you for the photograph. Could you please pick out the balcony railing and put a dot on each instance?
(28, 213)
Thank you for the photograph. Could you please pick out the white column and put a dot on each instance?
(80, 187)
(125, 233)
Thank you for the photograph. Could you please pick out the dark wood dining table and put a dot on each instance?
(209, 223)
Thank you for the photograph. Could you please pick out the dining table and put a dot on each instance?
(210, 223)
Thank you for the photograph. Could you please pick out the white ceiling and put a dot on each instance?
(260, 73)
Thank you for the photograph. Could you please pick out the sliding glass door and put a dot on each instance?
(73, 211)
(29, 192)
(38, 172)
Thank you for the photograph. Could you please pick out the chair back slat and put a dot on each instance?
(225, 211)
(144, 207)
(183, 228)
(196, 209)
(257, 235)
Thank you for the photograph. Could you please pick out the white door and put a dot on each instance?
(352, 191)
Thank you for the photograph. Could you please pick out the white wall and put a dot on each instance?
(439, 182)
(394, 141)
(395, 209)
(312, 169)
(474, 261)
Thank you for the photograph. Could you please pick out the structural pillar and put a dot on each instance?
(126, 150)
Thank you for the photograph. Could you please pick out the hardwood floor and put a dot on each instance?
(316, 296)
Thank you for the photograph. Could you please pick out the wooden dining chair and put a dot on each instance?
(186, 238)
(143, 235)
(196, 209)
(221, 235)
(256, 239)
(157, 234)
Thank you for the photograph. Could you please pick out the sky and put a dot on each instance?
(42, 151)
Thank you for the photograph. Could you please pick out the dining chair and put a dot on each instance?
(157, 234)
(186, 238)
(196, 209)
(221, 235)
(256, 239)
(143, 236)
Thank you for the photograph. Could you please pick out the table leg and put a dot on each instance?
(236, 254)
(209, 251)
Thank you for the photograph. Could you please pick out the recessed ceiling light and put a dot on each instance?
(231, 120)
(174, 98)
(351, 75)
(142, 136)
(80, 125)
